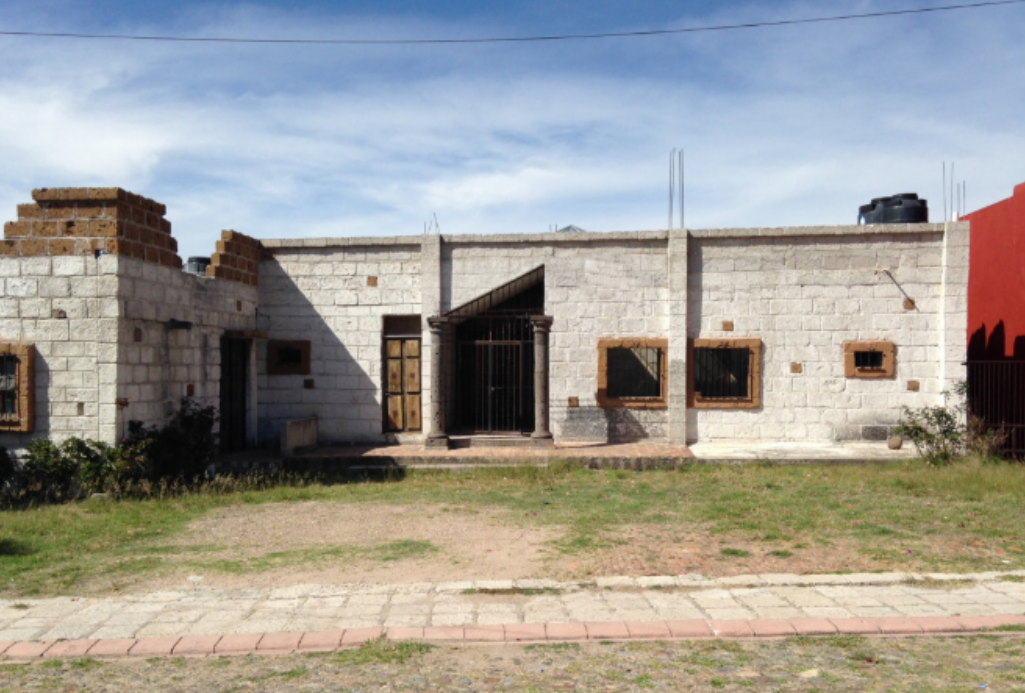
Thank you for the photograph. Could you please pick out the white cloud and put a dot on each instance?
(787, 126)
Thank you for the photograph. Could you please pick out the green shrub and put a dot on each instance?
(941, 434)
(184, 448)
(108, 468)
(48, 473)
(6, 468)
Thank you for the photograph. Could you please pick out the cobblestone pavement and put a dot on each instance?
(459, 607)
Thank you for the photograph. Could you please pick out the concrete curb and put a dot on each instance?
(518, 633)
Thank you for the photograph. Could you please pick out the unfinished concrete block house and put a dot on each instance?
(798, 334)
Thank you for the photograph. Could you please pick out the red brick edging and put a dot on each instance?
(332, 640)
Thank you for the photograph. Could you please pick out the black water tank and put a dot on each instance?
(197, 265)
(905, 208)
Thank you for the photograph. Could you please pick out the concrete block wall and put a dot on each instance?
(67, 308)
(596, 285)
(81, 271)
(334, 293)
(804, 292)
(158, 366)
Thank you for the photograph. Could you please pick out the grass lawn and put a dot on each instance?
(965, 517)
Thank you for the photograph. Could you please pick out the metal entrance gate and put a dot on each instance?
(495, 373)
(996, 394)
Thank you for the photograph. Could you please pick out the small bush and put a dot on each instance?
(48, 473)
(938, 433)
(6, 468)
(941, 434)
(184, 448)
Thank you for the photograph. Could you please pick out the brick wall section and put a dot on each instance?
(84, 221)
(155, 365)
(237, 259)
(805, 293)
(324, 294)
(67, 308)
(601, 285)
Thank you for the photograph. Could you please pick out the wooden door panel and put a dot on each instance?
(412, 376)
(394, 376)
(413, 348)
(394, 347)
(413, 413)
(395, 419)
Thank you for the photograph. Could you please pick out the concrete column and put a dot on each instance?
(430, 304)
(436, 436)
(542, 324)
(680, 428)
(953, 337)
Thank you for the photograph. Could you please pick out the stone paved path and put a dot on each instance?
(520, 610)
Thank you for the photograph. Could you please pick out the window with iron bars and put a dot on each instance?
(17, 396)
(632, 373)
(8, 388)
(724, 374)
(635, 372)
(874, 359)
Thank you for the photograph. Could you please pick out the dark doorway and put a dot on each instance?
(234, 381)
(494, 368)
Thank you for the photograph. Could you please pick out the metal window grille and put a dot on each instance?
(995, 396)
(289, 356)
(634, 372)
(8, 387)
(868, 359)
(722, 373)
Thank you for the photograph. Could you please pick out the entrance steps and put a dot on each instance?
(506, 440)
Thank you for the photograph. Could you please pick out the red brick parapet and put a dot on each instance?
(85, 221)
(237, 258)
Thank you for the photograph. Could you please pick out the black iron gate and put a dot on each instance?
(996, 394)
(495, 373)
(234, 366)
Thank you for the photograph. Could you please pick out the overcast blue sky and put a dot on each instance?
(782, 126)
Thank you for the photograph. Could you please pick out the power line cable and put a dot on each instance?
(516, 39)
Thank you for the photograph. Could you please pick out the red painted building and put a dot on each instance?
(996, 284)
(996, 318)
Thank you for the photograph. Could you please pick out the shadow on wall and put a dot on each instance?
(995, 347)
(338, 390)
(600, 425)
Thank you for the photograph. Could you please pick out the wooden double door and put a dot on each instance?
(402, 384)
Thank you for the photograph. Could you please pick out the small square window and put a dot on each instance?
(725, 374)
(869, 359)
(17, 387)
(632, 373)
(290, 357)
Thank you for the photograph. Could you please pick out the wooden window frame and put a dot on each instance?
(602, 396)
(754, 375)
(886, 348)
(24, 420)
(274, 365)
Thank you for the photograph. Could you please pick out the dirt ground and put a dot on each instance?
(471, 545)
(464, 544)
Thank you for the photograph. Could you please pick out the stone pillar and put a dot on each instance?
(542, 324)
(436, 437)
(682, 423)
